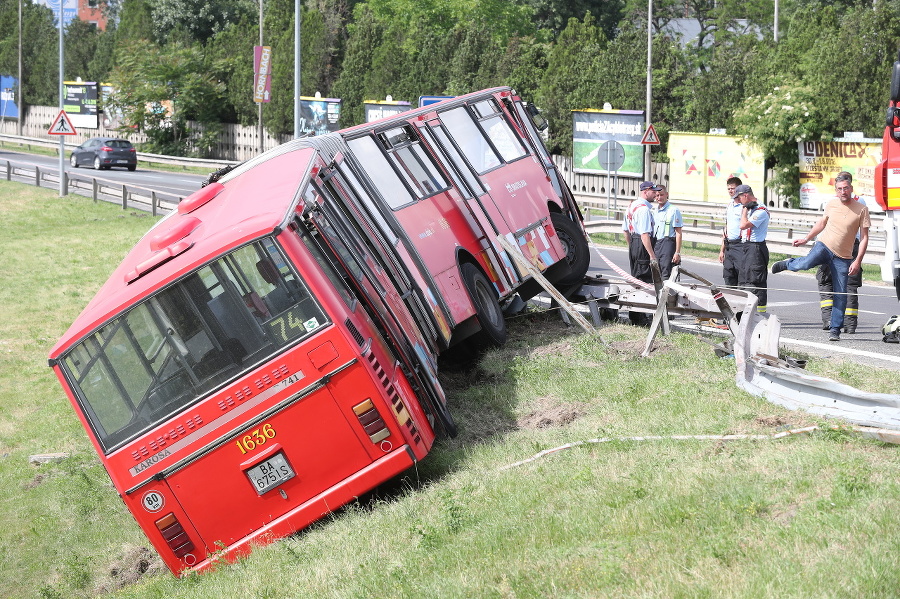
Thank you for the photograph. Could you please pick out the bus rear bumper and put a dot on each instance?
(321, 505)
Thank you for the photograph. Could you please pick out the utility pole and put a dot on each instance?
(62, 99)
(649, 83)
(260, 104)
(297, 18)
(21, 107)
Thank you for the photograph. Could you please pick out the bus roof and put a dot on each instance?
(247, 206)
(409, 114)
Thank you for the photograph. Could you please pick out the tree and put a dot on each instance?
(569, 80)
(776, 122)
(40, 50)
(159, 89)
(196, 20)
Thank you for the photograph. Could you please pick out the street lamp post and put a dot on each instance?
(296, 69)
(649, 84)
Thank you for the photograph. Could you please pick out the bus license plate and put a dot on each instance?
(269, 474)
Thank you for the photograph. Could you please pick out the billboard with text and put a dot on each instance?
(592, 128)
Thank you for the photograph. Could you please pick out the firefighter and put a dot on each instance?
(667, 230)
(753, 272)
(731, 253)
(638, 228)
(854, 282)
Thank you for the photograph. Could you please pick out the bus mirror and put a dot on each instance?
(893, 118)
(895, 82)
(537, 119)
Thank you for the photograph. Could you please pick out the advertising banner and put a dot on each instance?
(81, 103)
(319, 115)
(700, 164)
(112, 115)
(376, 109)
(821, 161)
(592, 128)
(8, 107)
(262, 74)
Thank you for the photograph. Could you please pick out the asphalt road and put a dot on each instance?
(173, 184)
(794, 298)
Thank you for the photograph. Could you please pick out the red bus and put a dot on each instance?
(267, 352)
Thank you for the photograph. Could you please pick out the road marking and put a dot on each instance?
(832, 346)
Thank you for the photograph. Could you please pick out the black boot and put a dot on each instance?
(850, 324)
(826, 319)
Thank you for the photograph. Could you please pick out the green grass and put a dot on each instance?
(807, 516)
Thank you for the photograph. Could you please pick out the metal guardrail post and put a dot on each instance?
(37, 176)
(124, 197)
(8, 170)
(65, 183)
(96, 186)
(153, 203)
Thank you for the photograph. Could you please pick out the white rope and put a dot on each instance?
(781, 435)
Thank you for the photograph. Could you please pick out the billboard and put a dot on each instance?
(700, 164)
(592, 128)
(379, 109)
(319, 115)
(80, 103)
(8, 107)
(821, 161)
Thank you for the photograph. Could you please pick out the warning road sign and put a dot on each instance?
(62, 125)
(650, 137)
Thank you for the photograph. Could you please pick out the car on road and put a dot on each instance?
(105, 152)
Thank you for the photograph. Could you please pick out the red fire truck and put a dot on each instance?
(887, 184)
(267, 352)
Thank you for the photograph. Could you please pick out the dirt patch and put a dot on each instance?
(772, 421)
(34, 482)
(550, 413)
(137, 563)
(784, 515)
(633, 348)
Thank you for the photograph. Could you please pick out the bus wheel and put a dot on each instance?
(578, 253)
(487, 308)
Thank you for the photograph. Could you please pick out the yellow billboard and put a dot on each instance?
(821, 161)
(700, 164)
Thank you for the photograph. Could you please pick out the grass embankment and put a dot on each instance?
(807, 516)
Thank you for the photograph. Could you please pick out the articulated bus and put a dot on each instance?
(268, 351)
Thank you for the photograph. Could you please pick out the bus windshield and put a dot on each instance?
(173, 348)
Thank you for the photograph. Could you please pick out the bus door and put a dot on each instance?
(516, 189)
(351, 246)
(479, 207)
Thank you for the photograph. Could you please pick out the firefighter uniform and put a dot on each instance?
(639, 220)
(666, 220)
(734, 251)
(753, 273)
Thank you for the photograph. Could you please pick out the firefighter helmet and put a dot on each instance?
(891, 330)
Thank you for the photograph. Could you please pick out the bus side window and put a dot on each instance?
(413, 161)
(471, 142)
(499, 131)
(380, 171)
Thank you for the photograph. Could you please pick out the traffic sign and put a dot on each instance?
(611, 155)
(62, 125)
(650, 137)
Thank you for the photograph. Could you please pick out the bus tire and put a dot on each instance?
(487, 308)
(578, 252)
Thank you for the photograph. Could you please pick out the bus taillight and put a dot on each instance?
(371, 421)
(174, 535)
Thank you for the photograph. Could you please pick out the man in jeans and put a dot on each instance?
(854, 282)
(843, 218)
